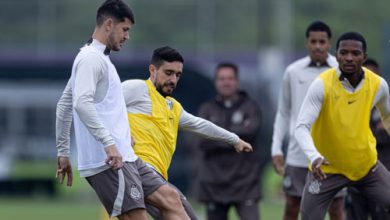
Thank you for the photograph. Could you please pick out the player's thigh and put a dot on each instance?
(156, 214)
(187, 205)
(135, 214)
(318, 194)
(376, 184)
(120, 191)
(294, 180)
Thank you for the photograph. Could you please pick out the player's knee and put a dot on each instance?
(166, 199)
(172, 198)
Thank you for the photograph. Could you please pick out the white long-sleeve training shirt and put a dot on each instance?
(296, 81)
(93, 86)
(312, 106)
(137, 99)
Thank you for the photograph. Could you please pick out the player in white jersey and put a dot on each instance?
(296, 81)
(105, 156)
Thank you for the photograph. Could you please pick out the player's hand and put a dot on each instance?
(278, 164)
(243, 146)
(316, 168)
(132, 141)
(64, 168)
(114, 158)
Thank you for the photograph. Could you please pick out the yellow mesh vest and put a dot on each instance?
(155, 135)
(342, 131)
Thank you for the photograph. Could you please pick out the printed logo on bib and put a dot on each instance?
(134, 192)
(314, 187)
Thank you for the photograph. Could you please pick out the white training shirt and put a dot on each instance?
(99, 111)
(312, 106)
(296, 81)
(137, 99)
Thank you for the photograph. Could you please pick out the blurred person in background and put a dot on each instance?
(155, 118)
(227, 179)
(296, 81)
(359, 207)
(333, 130)
(94, 98)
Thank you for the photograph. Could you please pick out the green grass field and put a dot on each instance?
(80, 202)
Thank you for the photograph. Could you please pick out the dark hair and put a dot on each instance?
(167, 54)
(371, 62)
(352, 36)
(227, 65)
(116, 9)
(318, 26)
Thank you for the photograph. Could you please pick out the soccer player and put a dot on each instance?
(155, 117)
(333, 129)
(360, 207)
(233, 109)
(296, 81)
(105, 156)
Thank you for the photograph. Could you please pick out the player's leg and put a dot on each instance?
(293, 184)
(167, 200)
(317, 195)
(376, 184)
(248, 210)
(120, 192)
(336, 208)
(217, 211)
(357, 205)
(187, 206)
(291, 209)
(155, 212)
(159, 194)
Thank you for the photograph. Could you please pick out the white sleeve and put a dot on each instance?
(308, 114)
(383, 104)
(206, 128)
(131, 90)
(282, 119)
(64, 116)
(88, 73)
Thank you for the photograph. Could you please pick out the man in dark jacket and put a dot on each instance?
(226, 178)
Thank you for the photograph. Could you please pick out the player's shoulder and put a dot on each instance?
(298, 64)
(89, 57)
(332, 61)
(134, 84)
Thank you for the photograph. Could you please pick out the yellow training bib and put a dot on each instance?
(342, 131)
(155, 135)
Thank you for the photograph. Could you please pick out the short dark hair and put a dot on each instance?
(318, 26)
(352, 36)
(116, 9)
(371, 62)
(167, 54)
(227, 65)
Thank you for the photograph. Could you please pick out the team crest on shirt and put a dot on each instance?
(314, 187)
(134, 192)
(287, 183)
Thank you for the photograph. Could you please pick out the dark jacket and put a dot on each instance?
(225, 176)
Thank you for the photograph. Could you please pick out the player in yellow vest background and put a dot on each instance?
(155, 118)
(334, 132)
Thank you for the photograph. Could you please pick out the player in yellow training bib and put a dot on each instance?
(155, 118)
(334, 132)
